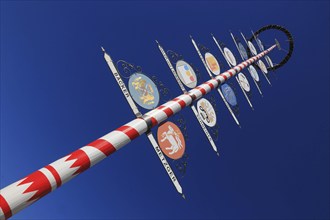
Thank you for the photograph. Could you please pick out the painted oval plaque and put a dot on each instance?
(206, 112)
(244, 82)
(171, 140)
(270, 62)
(254, 73)
(262, 66)
(229, 56)
(212, 63)
(186, 74)
(229, 94)
(243, 51)
(143, 91)
(252, 48)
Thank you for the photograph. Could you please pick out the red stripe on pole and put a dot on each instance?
(129, 131)
(181, 102)
(5, 207)
(55, 175)
(210, 84)
(82, 161)
(224, 76)
(168, 111)
(104, 146)
(154, 122)
(202, 90)
(40, 185)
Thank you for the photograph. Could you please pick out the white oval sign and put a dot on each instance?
(262, 66)
(186, 74)
(244, 82)
(229, 56)
(243, 51)
(254, 73)
(252, 48)
(206, 112)
(270, 62)
(260, 44)
(212, 63)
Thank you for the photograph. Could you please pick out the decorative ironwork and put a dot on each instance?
(203, 49)
(182, 164)
(173, 56)
(275, 27)
(126, 69)
(163, 90)
(182, 124)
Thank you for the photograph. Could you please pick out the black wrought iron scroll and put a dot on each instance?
(126, 69)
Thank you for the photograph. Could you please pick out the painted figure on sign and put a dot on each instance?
(174, 139)
(145, 90)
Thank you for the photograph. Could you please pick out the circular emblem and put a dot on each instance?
(269, 61)
(229, 94)
(229, 56)
(254, 73)
(206, 112)
(262, 66)
(244, 82)
(212, 63)
(243, 51)
(143, 90)
(186, 74)
(252, 48)
(171, 140)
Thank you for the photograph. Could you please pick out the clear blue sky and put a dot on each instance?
(57, 95)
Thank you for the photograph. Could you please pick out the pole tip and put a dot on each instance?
(190, 36)
(157, 42)
(218, 154)
(183, 196)
(102, 49)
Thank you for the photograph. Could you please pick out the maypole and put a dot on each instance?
(28, 190)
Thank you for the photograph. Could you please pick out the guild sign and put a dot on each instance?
(229, 94)
(252, 48)
(206, 112)
(269, 61)
(143, 90)
(262, 66)
(260, 44)
(244, 82)
(243, 51)
(229, 56)
(171, 140)
(212, 63)
(254, 73)
(186, 74)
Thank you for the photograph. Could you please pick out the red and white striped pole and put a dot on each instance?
(26, 191)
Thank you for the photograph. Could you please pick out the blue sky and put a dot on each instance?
(57, 95)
